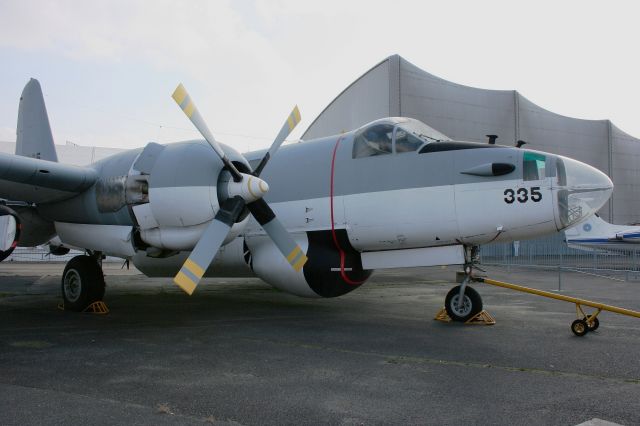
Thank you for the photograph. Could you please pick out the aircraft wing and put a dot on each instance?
(39, 181)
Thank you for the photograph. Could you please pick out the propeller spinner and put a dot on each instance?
(245, 190)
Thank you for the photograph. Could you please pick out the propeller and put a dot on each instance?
(183, 99)
(287, 128)
(245, 190)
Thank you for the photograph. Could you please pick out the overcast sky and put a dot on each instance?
(108, 68)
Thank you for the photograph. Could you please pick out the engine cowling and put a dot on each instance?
(176, 188)
(170, 193)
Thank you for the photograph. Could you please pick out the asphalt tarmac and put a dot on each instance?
(239, 352)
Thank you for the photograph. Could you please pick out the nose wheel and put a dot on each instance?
(463, 302)
(468, 307)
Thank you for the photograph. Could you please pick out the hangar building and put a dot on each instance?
(395, 87)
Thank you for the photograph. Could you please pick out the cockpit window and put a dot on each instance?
(374, 140)
(533, 166)
(422, 131)
(407, 142)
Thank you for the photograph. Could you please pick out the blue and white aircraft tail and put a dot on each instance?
(596, 233)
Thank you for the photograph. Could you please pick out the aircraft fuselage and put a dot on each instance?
(330, 195)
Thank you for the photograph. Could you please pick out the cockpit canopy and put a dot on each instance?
(393, 135)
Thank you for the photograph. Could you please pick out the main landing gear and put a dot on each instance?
(83, 282)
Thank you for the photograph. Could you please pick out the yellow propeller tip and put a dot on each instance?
(179, 94)
(185, 283)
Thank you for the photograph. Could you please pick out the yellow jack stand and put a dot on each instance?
(98, 308)
(481, 318)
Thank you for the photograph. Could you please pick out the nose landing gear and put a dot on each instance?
(462, 308)
(463, 303)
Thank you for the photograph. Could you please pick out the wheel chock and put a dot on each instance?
(98, 308)
(442, 316)
(481, 318)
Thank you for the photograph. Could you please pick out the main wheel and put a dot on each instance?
(471, 304)
(82, 283)
(579, 327)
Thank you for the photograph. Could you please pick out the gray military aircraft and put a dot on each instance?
(393, 193)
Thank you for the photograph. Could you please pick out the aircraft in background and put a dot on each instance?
(595, 233)
(314, 220)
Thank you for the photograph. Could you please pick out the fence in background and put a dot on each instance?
(552, 252)
(41, 254)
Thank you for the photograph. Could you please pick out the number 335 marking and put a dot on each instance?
(522, 195)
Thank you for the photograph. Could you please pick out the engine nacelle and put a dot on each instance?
(112, 240)
(334, 267)
(174, 192)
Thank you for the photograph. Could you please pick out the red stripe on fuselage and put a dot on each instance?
(343, 273)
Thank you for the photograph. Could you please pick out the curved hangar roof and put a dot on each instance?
(395, 87)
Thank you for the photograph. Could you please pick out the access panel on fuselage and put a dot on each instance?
(396, 201)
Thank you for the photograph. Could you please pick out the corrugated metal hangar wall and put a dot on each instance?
(396, 87)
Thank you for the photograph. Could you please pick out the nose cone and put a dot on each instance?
(582, 191)
(257, 186)
(251, 188)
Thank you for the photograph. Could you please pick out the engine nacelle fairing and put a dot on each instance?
(334, 267)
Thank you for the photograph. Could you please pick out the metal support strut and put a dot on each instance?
(470, 259)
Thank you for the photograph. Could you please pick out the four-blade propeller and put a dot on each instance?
(245, 190)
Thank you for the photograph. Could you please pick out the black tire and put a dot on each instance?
(595, 323)
(471, 307)
(82, 283)
(579, 327)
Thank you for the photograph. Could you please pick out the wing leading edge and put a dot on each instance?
(40, 181)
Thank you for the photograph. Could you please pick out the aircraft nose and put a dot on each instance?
(582, 191)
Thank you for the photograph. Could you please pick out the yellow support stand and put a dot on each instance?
(481, 318)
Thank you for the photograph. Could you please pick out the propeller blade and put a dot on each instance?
(187, 105)
(207, 247)
(287, 128)
(278, 234)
